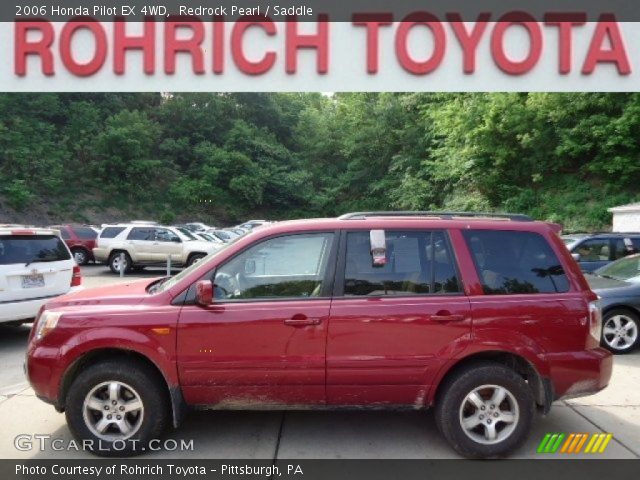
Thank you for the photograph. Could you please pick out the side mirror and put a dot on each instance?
(378, 247)
(576, 256)
(204, 293)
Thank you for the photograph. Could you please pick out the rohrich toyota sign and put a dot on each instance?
(373, 51)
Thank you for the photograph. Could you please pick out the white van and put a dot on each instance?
(35, 266)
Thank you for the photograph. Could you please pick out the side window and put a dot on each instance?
(164, 235)
(623, 247)
(418, 263)
(85, 233)
(283, 267)
(511, 262)
(111, 232)
(64, 233)
(595, 250)
(140, 234)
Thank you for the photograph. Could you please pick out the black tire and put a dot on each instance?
(449, 410)
(114, 261)
(80, 255)
(626, 317)
(195, 257)
(144, 381)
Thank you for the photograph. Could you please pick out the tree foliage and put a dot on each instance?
(225, 157)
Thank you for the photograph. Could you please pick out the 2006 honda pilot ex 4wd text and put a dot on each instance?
(485, 319)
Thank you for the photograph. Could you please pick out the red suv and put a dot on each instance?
(81, 240)
(484, 318)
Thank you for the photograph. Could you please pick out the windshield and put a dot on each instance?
(627, 269)
(29, 249)
(169, 282)
(187, 233)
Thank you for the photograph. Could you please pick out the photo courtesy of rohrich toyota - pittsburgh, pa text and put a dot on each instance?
(319, 239)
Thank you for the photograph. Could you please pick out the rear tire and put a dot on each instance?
(485, 411)
(140, 412)
(620, 331)
(80, 255)
(114, 262)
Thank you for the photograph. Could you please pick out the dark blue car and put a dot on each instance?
(595, 251)
(618, 286)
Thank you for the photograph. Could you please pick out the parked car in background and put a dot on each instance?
(595, 251)
(570, 239)
(197, 227)
(223, 235)
(251, 224)
(35, 267)
(81, 240)
(486, 319)
(618, 285)
(208, 238)
(136, 246)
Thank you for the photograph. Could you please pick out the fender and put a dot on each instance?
(495, 341)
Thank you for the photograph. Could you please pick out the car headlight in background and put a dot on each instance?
(47, 321)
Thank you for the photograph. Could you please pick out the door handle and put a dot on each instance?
(445, 316)
(300, 320)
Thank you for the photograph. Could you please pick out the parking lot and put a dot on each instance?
(307, 434)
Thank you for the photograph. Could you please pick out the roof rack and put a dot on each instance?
(443, 215)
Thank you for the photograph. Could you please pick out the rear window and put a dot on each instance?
(85, 233)
(515, 262)
(31, 249)
(111, 232)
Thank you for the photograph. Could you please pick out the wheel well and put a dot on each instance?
(97, 356)
(79, 247)
(195, 253)
(515, 362)
(629, 308)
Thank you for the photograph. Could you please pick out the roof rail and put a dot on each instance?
(443, 215)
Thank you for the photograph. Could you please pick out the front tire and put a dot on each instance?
(485, 411)
(117, 407)
(620, 331)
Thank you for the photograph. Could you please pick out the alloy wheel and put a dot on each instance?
(113, 411)
(489, 414)
(620, 332)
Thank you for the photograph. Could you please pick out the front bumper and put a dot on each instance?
(578, 374)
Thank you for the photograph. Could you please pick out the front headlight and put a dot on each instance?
(46, 323)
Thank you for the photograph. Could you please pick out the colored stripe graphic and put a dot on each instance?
(573, 443)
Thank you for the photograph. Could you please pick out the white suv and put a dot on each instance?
(35, 266)
(148, 244)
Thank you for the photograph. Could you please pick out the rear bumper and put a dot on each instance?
(100, 254)
(26, 309)
(578, 374)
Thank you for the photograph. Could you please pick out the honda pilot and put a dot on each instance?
(485, 318)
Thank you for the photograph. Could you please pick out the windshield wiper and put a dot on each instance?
(39, 260)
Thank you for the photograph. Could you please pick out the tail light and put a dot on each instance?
(595, 320)
(76, 278)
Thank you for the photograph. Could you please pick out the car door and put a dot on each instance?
(263, 340)
(392, 327)
(593, 253)
(140, 244)
(167, 243)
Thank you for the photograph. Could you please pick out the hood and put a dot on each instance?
(607, 287)
(126, 294)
